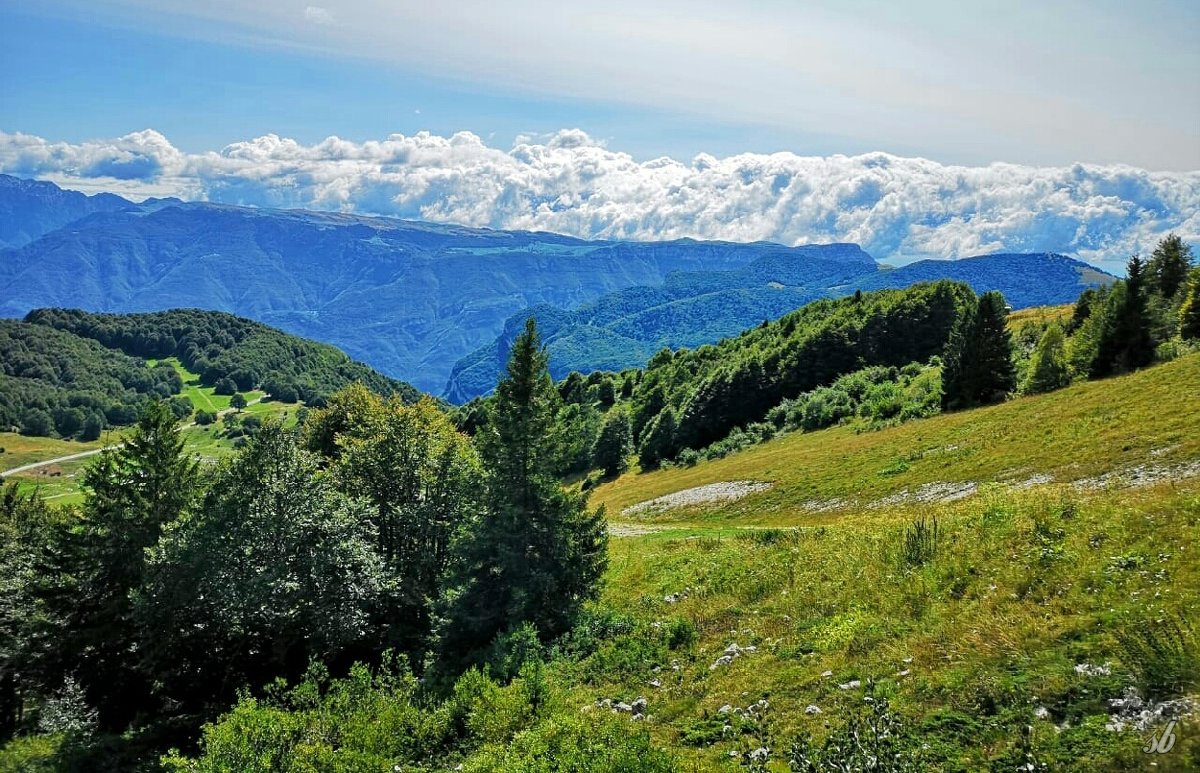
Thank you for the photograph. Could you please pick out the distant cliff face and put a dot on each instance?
(414, 299)
(31, 208)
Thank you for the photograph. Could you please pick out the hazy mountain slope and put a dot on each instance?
(624, 328)
(409, 298)
(1034, 279)
(703, 307)
(31, 208)
(413, 299)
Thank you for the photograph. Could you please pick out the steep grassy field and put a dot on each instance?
(1148, 420)
(1036, 606)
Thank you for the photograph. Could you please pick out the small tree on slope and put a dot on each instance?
(1048, 370)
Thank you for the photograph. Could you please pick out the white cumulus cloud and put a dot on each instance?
(896, 208)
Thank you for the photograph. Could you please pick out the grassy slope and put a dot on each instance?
(1026, 583)
(1151, 417)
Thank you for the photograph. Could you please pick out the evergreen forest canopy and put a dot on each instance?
(409, 571)
(72, 374)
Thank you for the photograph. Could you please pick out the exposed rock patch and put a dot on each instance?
(727, 491)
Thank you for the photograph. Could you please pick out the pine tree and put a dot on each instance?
(977, 364)
(1048, 370)
(1168, 267)
(615, 443)
(658, 445)
(1124, 341)
(538, 552)
(131, 493)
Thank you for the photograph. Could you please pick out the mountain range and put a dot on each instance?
(435, 304)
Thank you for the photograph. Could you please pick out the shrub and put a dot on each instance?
(874, 738)
(920, 542)
(1163, 654)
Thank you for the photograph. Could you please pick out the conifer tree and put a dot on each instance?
(615, 443)
(131, 493)
(1048, 369)
(977, 364)
(658, 445)
(1168, 267)
(538, 552)
(1124, 341)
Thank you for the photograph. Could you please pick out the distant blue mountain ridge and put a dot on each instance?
(437, 304)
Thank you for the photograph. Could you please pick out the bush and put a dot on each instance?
(920, 542)
(874, 738)
(1163, 654)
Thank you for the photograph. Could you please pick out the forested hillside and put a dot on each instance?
(71, 373)
(877, 357)
(53, 382)
(623, 329)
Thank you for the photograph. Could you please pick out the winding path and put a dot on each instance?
(94, 451)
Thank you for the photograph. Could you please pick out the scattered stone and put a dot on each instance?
(639, 705)
(1041, 712)
(930, 493)
(1040, 479)
(825, 505)
(1088, 669)
(1140, 475)
(727, 491)
(1132, 710)
(853, 684)
(725, 709)
(826, 674)
(761, 754)
(905, 672)
(724, 660)
(812, 709)
(655, 683)
(623, 707)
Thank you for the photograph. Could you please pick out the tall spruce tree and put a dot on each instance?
(537, 553)
(615, 443)
(977, 365)
(130, 494)
(658, 444)
(1124, 341)
(1168, 267)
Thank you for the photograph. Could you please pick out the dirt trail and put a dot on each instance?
(94, 451)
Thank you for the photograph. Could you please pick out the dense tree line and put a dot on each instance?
(220, 346)
(72, 374)
(376, 531)
(52, 382)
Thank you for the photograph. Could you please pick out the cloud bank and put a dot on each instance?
(897, 208)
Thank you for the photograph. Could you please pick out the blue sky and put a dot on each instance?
(927, 128)
(1101, 81)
